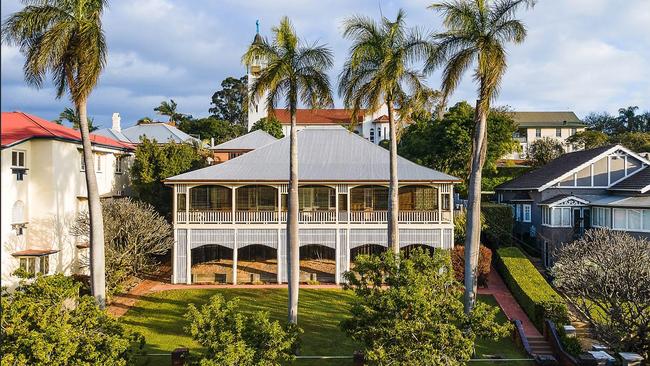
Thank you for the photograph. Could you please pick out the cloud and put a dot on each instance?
(583, 55)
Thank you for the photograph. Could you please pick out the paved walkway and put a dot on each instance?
(507, 302)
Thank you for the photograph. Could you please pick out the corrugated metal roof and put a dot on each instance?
(161, 132)
(325, 155)
(113, 134)
(249, 141)
(547, 119)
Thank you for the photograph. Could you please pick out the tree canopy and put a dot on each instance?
(211, 127)
(446, 144)
(606, 274)
(408, 311)
(627, 121)
(269, 125)
(155, 162)
(543, 150)
(231, 102)
(46, 322)
(169, 109)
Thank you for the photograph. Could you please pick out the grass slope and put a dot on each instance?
(159, 317)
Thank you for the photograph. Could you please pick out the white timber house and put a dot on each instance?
(44, 189)
(239, 208)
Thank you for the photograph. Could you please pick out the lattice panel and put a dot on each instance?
(181, 256)
(344, 253)
(223, 237)
(284, 188)
(448, 239)
(325, 237)
(266, 237)
(359, 237)
(430, 237)
(343, 188)
(284, 263)
(181, 188)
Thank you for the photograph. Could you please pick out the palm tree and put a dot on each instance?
(476, 34)
(379, 71)
(65, 39)
(294, 73)
(169, 109)
(71, 115)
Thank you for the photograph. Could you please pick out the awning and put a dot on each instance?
(85, 245)
(34, 252)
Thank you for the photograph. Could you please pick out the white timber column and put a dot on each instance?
(187, 206)
(174, 208)
(337, 254)
(347, 249)
(188, 242)
(174, 264)
(279, 188)
(348, 205)
(233, 200)
(279, 256)
(439, 189)
(234, 260)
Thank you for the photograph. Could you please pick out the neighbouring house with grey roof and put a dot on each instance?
(606, 187)
(161, 132)
(240, 145)
(230, 219)
(536, 125)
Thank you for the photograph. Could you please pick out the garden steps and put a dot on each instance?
(539, 346)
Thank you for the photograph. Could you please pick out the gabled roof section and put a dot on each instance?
(553, 170)
(547, 119)
(333, 116)
(159, 131)
(250, 141)
(17, 127)
(113, 134)
(565, 200)
(638, 182)
(324, 155)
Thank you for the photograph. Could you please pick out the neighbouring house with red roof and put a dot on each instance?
(44, 189)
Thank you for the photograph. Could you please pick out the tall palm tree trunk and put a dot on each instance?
(472, 241)
(97, 265)
(393, 188)
(292, 223)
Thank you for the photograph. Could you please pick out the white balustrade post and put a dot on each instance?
(234, 260)
(188, 242)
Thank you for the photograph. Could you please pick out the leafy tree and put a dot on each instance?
(606, 274)
(65, 40)
(155, 162)
(269, 125)
(169, 109)
(70, 115)
(484, 264)
(231, 102)
(233, 338)
(476, 34)
(379, 71)
(542, 151)
(45, 322)
(627, 121)
(602, 122)
(636, 141)
(144, 121)
(446, 144)
(211, 127)
(407, 311)
(588, 139)
(294, 72)
(135, 235)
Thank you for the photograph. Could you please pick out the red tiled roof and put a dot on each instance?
(382, 118)
(34, 252)
(317, 116)
(18, 127)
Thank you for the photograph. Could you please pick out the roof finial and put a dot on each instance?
(257, 26)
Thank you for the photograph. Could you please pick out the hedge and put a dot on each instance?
(498, 224)
(538, 299)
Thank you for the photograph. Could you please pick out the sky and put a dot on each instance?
(579, 55)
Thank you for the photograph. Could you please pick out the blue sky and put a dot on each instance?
(580, 55)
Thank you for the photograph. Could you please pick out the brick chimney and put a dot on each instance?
(117, 122)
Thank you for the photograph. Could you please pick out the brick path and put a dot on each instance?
(507, 302)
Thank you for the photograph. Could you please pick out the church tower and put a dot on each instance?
(256, 111)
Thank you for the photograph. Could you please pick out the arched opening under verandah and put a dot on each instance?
(317, 263)
(212, 263)
(256, 264)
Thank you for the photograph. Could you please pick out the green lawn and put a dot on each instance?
(159, 317)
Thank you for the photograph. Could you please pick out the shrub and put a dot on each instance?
(134, 234)
(408, 311)
(538, 299)
(570, 344)
(460, 227)
(233, 338)
(46, 322)
(498, 224)
(484, 264)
